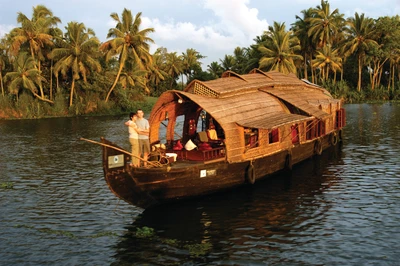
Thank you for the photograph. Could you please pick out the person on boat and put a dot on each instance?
(133, 138)
(144, 127)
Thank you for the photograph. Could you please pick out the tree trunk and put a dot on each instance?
(2, 86)
(392, 78)
(312, 72)
(359, 74)
(371, 77)
(305, 66)
(72, 92)
(38, 68)
(115, 81)
(51, 80)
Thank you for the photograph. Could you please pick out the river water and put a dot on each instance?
(342, 208)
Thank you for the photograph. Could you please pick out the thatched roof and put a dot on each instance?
(254, 100)
(232, 83)
(242, 94)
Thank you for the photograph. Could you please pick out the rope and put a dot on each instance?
(155, 164)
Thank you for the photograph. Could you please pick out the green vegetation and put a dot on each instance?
(145, 232)
(47, 72)
(197, 250)
(7, 185)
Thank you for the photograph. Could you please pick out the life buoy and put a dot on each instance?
(250, 174)
(318, 147)
(333, 138)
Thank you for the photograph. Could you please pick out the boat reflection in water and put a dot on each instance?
(237, 226)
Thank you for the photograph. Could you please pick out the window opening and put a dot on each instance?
(273, 135)
(251, 137)
(295, 134)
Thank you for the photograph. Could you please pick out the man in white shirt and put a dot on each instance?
(143, 130)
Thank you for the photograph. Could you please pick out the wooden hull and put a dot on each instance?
(144, 187)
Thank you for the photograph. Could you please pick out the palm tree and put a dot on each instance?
(360, 36)
(241, 58)
(77, 54)
(36, 33)
(191, 61)
(300, 29)
(134, 78)
(324, 24)
(128, 42)
(173, 66)
(215, 69)
(26, 76)
(228, 62)
(3, 60)
(278, 52)
(157, 73)
(388, 32)
(327, 60)
(253, 54)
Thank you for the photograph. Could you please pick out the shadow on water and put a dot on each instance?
(251, 219)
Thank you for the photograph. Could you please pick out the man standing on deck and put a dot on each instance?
(143, 127)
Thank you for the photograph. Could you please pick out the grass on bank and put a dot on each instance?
(27, 107)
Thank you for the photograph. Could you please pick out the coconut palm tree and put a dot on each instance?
(228, 62)
(36, 33)
(241, 57)
(361, 32)
(253, 54)
(324, 24)
(327, 59)
(388, 33)
(279, 51)
(191, 61)
(156, 70)
(25, 76)
(134, 78)
(300, 29)
(215, 69)
(3, 60)
(77, 55)
(173, 66)
(128, 42)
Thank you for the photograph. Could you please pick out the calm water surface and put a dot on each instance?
(340, 209)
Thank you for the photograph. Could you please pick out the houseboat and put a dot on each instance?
(223, 133)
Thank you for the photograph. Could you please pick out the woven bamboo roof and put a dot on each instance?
(273, 120)
(301, 97)
(302, 94)
(232, 83)
(254, 99)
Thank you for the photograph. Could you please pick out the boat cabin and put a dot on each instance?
(242, 117)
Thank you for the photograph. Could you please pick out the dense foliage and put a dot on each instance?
(47, 72)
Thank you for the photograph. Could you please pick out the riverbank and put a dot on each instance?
(28, 108)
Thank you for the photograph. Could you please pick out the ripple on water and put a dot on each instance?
(340, 209)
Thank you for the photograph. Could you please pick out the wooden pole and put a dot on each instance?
(174, 131)
(118, 149)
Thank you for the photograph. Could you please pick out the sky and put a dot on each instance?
(214, 28)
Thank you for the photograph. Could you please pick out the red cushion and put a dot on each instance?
(178, 146)
(204, 146)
